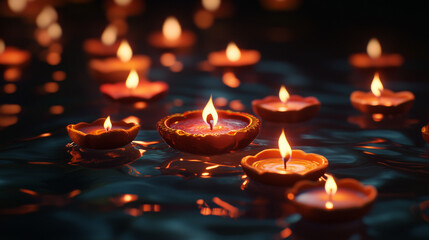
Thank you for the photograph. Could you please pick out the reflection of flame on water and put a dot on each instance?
(144, 208)
(198, 168)
(226, 210)
(167, 59)
(230, 80)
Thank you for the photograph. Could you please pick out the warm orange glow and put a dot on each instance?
(171, 29)
(233, 52)
(108, 37)
(329, 205)
(283, 94)
(377, 117)
(373, 48)
(236, 105)
(47, 16)
(12, 74)
(59, 76)
(376, 86)
(9, 88)
(132, 80)
(10, 109)
(124, 53)
(55, 31)
(51, 87)
(123, 2)
(2, 46)
(17, 5)
(128, 198)
(210, 110)
(230, 80)
(284, 147)
(221, 102)
(177, 67)
(107, 124)
(211, 5)
(140, 105)
(330, 185)
(168, 59)
(203, 19)
(56, 109)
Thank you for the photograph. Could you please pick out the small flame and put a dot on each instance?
(171, 29)
(124, 53)
(330, 185)
(283, 94)
(107, 124)
(17, 5)
(132, 80)
(284, 147)
(109, 35)
(211, 5)
(233, 52)
(376, 86)
(2, 46)
(55, 31)
(47, 16)
(373, 48)
(210, 110)
(123, 2)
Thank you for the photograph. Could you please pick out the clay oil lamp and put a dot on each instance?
(286, 108)
(425, 133)
(107, 46)
(284, 166)
(103, 134)
(117, 69)
(374, 58)
(233, 57)
(381, 100)
(209, 131)
(12, 57)
(172, 36)
(134, 90)
(345, 200)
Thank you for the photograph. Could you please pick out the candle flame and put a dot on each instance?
(284, 147)
(17, 5)
(208, 111)
(283, 94)
(2, 46)
(47, 16)
(330, 185)
(109, 35)
(123, 2)
(233, 52)
(124, 53)
(55, 31)
(376, 86)
(132, 80)
(373, 48)
(107, 124)
(171, 29)
(211, 5)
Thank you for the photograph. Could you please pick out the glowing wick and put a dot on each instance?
(107, 124)
(284, 147)
(209, 114)
(132, 80)
(331, 189)
(233, 53)
(376, 86)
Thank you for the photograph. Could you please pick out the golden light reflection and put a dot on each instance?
(51, 87)
(140, 105)
(203, 19)
(373, 48)
(123, 2)
(124, 53)
(132, 80)
(284, 148)
(167, 59)
(17, 5)
(233, 53)
(56, 109)
(171, 29)
(107, 124)
(283, 94)
(377, 117)
(2, 46)
(12, 74)
(376, 86)
(54, 31)
(211, 5)
(132, 119)
(126, 198)
(209, 114)
(109, 35)
(331, 189)
(47, 16)
(230, 80)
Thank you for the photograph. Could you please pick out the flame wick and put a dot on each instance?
(107, 124)
(285, 149)
(209, 120)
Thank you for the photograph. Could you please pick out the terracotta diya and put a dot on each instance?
(107, 46)
(374, 58)
(234, 57)
(209, 131)
(172, 36)
(286, 108)
(381, 100)
(345, 200)
(103, 134)
(11, 56)
(134, 90)
(117, 69)
(425, 133)
(284, 166)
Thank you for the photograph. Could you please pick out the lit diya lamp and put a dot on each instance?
(374, 58)
(172, 36)
(134, 90)
(209, 131)
(107, 46)
(103, 134)
(284, 166)
(286, 108)
(11, 56)
(117, 69)
(345, 200)
(425, 133)
(234, 57)
(381, 100)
